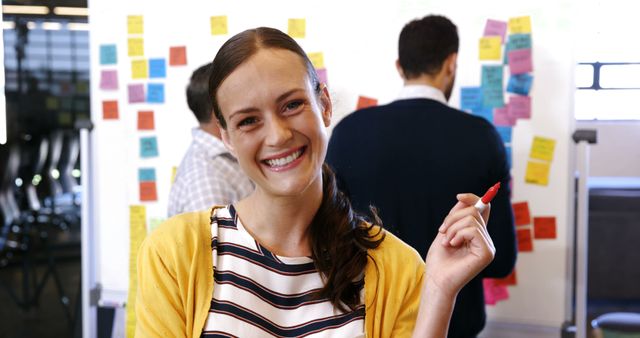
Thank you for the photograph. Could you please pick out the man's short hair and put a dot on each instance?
(425, 43)
(198, 96)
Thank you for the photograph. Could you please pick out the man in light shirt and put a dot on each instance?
(411, 157)
(208, 173)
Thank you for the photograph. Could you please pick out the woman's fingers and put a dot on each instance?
(466, 221)
(455, 215)
(481, 246)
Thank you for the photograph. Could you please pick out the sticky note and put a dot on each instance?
(147, 174)
(297, 28)
(136, 46)
(64, 103)
(322, 75)
(137, 233)
(52, 103)
(525, 242)
(148, 147)
(471, 98)
(174, 172)
(146, 120)
(110, 110)
(520, 61)
(82, 87)
(492, 89)
(511, 279)
(501, 117)
(521, 213)
(495, 28)
(521, 24)
(154, 223)
(135, 93)
(135, 24)
(493, 291)
(542, 148)
(537, 173)
(109, 79)
(155, 93)
(65, 118)
(519, 107)
(139, 69)
(520, 84)
(177, 56)
(364, 102)
(317, 59)
(505, 133)
(517, 41)
(108, 55)
(219, 25)
(490, 48)
(157, 68)
(485, 112)
(544, 227)
(148, 192)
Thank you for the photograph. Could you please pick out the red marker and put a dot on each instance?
(488, 196)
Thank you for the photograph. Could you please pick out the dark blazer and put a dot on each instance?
(409, 159)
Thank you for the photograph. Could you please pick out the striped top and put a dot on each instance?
(259, 294)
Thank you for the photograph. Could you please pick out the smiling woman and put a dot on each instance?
(293, 259)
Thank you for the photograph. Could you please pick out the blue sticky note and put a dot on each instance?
(485, 112)
(492, 87)
(155, 93)
(147, 174)
(470, 98)
(148, 147)
(157, 68)
(507, 149)
(520, 84)
(516, 41)
(108, 55)
(505, 133)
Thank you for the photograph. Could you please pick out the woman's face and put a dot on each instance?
(276, 123)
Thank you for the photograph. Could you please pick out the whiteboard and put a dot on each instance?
(359, 43)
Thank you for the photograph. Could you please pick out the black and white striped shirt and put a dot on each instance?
(259, 294)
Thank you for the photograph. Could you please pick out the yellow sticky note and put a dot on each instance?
(219, 25)
(137, 233)
(52, 103)
(135, 24)
(297, 28)
(139, 69)
(519, 25)
(174, 172)
(537, 173)
(136, 47)
(317, 59)
(65, 118)
(542, 148)
(490, 48)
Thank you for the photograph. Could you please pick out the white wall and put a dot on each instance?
(617, 152)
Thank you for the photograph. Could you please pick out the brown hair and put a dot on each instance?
(339, 236)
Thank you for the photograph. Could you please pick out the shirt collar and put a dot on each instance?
(422, 92)
(209, 143)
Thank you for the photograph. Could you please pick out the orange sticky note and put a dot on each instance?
(146, 120)
(110, 110)
(521, 213)
(364, 102)
(509, 280)
(178, 56)
(148, 191)
(525, 242)
(544, 227)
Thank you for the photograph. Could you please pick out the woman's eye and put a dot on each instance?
(247, 121)
(293, 105)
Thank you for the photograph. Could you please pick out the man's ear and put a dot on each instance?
(399, 69)
(224, 135)
(452, 63)
(326, 106)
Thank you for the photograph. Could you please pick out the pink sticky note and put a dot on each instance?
(322, 75)
(136, 93)
(501, 117)
(495, 28)
(519, 107)
(494, 292)
(109, 80)
(520, 61)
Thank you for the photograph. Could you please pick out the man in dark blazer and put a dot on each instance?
(411, 157)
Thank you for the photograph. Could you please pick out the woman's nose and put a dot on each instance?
(278, 132)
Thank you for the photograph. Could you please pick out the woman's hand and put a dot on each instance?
(460, 251)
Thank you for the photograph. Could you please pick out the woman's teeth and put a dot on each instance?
(280, 162)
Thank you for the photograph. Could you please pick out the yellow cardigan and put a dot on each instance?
(175, 282)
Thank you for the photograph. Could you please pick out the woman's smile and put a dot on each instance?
(286, 160)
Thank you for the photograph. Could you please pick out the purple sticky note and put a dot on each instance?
(520, 61)
(495, 28)
(519, 107)
(109, 79)
(322, 75)
(501, 117)
(136, 93)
